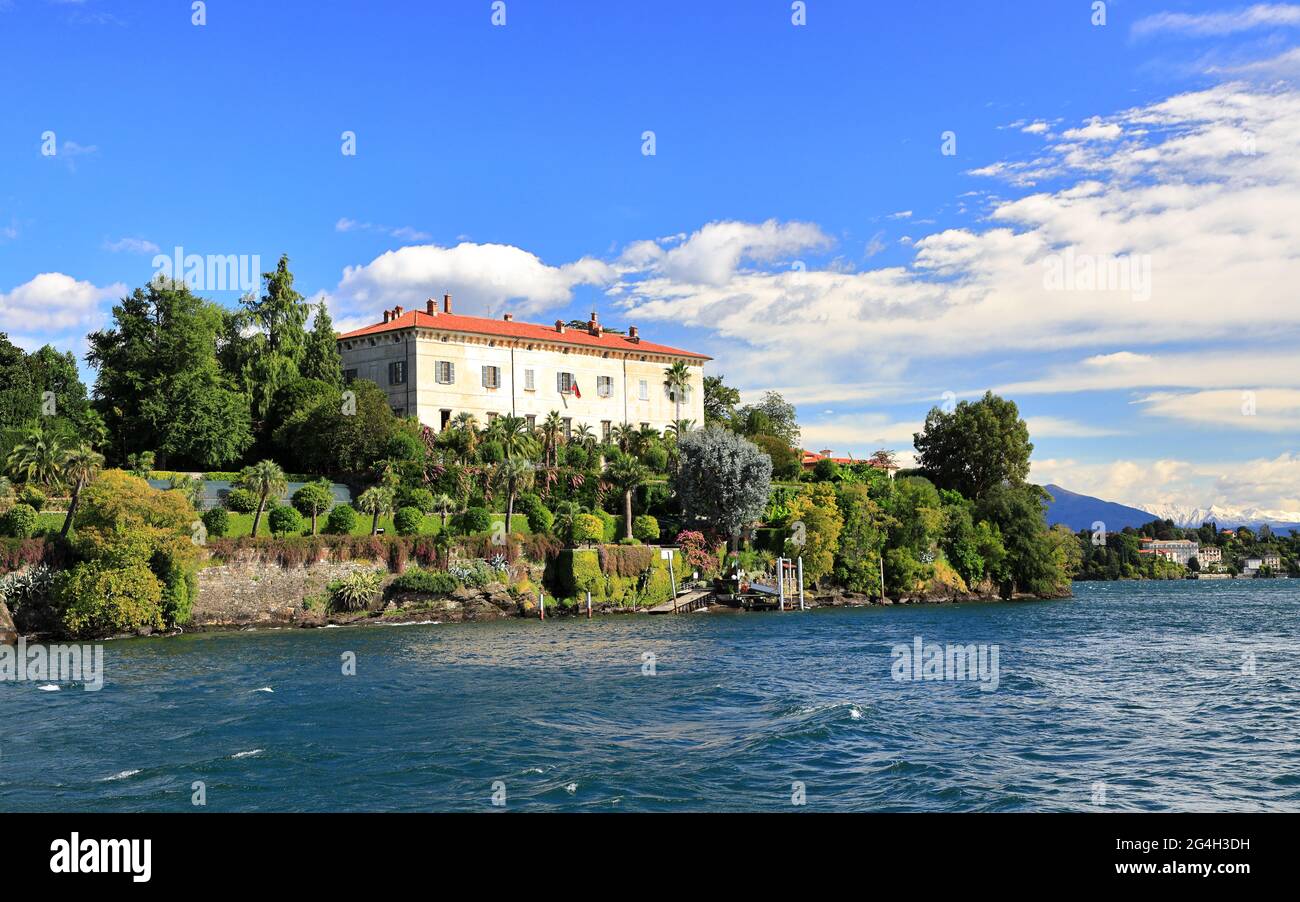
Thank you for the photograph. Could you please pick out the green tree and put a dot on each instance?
(265, 480)
(723, 480)
(159, 385)
(375, 501)
(773, 415)
(816, 526)
(80, 465)
(626, 474)
(38, 458)
(312, 500)
(677, 379)
(516, 473)
(515, 439)
(862, 540)
(443, 505)
(976, 446)
(320, 357)
(720, 401)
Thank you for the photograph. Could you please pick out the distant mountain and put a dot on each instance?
(1227, 517)
(1081, 511)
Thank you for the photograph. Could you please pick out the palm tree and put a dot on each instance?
(266, 480)
(516, 473)
(467, 424)
(375, 501)
(584, 436)
(677, 378)
(626, 474)
(38, 458)
(443, 505)
(552, 429)
(679, 428)
(562, 526)
(79, 467)
(188, 486)
(513, 434)
(624, 435)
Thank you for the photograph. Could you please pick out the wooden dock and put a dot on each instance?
(684, 603)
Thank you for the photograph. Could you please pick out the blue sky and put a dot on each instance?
(798, 219)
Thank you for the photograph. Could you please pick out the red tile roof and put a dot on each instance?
(482, 325)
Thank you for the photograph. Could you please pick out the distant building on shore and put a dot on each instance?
(1180, 551)
(809, 460)
(435, 364)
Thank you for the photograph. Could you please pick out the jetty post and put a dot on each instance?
(541, 605)
(780, 582)
(588, 604)
(801, 607)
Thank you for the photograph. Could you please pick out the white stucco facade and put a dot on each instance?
(436, 365)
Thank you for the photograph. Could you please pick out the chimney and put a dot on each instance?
(559, 326)
(633, 334)
(509, 317)
(446, 303)
(593, 324)
(397, 311)
(431, 307)
(388, 316)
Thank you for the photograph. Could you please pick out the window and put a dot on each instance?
(399, 412)
(530, 380)
(444, 418)
(564, 383)
(491, 377)
(444, 372)
(349, 375)
(531, 420)
(604, 386)
(605, 428)
(645, 425)
(397, 372)
(644, 390)
(568, 427)
(492, 416)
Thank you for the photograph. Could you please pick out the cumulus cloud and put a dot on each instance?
(713, 255)
(484, 278)
(1200, 188)
(53, 303)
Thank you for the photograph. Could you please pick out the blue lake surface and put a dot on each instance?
(1143, 687)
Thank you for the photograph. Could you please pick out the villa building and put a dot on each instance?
(1180, 551)
(1209, 555)
(435, 364)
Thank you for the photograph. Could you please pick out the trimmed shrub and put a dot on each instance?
(645, 528)
(19, 521)
(33, 498)
(609, 525)
(407, 521)
(587, 528)
(216, 522)
(342, 520)
(475, 520)
(426, 582)
(284, 520)
(240, 501)
(656, 458)
(420, 499)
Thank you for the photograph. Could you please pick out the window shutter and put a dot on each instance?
(451, 373)
(485, 377)
(559, 382)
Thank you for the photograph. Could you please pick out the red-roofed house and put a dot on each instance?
(434, 364)
(809, 459)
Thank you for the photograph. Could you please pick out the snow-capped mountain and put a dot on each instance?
(1225, 516)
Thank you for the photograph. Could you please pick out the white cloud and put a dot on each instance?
(1263, 409)
(1266, 483)
(1231, 367)
(1180, 190)
(713, 254)
(402, 233)
(53, 302)
(483, 278)
(131, 246)
(1217, 24)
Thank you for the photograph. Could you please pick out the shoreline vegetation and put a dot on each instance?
(478, 517)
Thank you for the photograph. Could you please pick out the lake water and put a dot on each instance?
(1143, 687)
